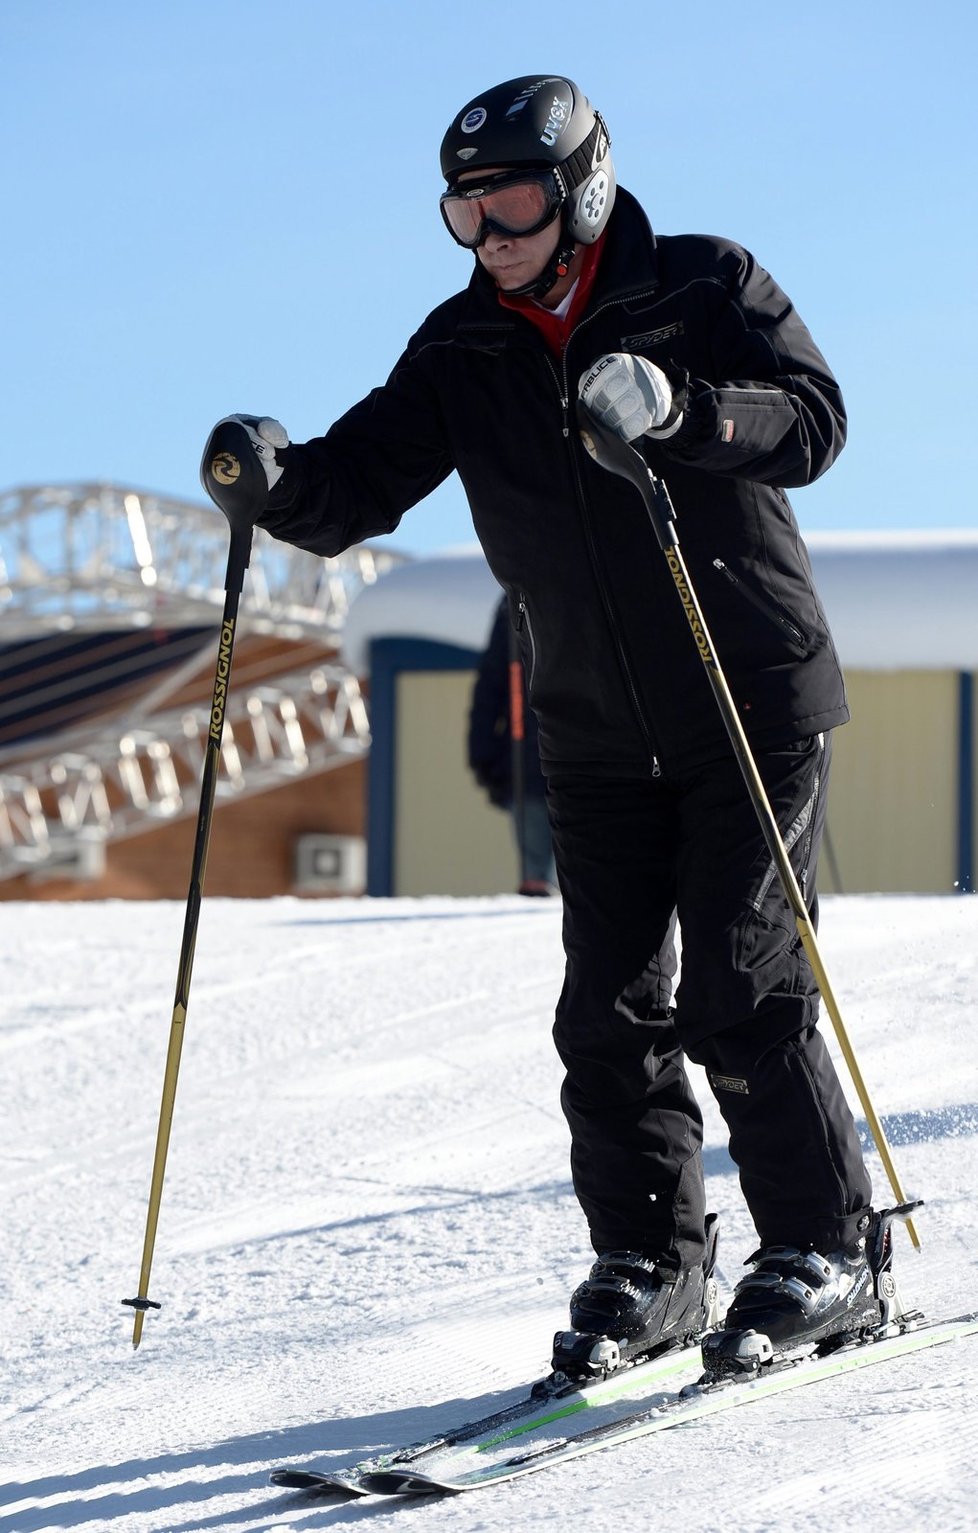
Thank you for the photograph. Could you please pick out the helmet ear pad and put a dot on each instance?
(590, 205)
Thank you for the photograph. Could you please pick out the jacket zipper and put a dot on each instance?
(758, 602)
(563, 391)
(523, 618)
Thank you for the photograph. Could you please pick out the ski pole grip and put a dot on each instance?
(612, 452)
(234, 477)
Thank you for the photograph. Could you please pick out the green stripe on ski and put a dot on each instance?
(518, 1419)
(676, 1412)
(598, 1394)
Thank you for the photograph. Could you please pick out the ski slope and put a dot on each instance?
(368, 1231)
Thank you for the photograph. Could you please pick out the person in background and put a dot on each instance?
(504, 754)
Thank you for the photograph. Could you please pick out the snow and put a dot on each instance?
(895, 600)
(368, 1231)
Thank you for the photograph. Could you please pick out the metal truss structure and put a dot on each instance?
(102, 556)
(123, 782)
(97, 557)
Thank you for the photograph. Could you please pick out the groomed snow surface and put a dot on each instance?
(368, 1231)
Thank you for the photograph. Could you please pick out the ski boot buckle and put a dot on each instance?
(894, 1314)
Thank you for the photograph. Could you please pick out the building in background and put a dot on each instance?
(903, 799)
(110, 605)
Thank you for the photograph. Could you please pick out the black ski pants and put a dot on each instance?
(632, 855)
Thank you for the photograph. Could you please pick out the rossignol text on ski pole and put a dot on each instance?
(612, 452)
(233, 476)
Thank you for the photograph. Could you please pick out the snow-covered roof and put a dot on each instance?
(895, 600)
(900, 600)
(449, 597)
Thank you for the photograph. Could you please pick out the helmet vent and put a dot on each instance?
(594, 197)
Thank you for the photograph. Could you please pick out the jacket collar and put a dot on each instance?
(629, 264)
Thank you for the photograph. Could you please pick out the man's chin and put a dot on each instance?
(511, 278)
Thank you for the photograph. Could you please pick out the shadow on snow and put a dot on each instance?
(349, 1438)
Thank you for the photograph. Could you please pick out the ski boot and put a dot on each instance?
(628, 1309)
(796, 1302)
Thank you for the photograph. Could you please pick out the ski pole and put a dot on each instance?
(610, 450)
(234, 477)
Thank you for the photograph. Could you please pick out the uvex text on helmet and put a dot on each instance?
(543, 122)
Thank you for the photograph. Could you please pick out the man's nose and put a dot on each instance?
(494, 241)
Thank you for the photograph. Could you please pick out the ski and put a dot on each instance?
(552, 1400)
(342, 1483)
(460, 1468)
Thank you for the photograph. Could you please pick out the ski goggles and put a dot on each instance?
(515, 204)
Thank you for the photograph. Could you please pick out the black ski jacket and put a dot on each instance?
(615, 677)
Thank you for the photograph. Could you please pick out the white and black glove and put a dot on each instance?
(631, 396)
(266, 435)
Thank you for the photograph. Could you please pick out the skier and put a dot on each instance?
(685, 346)
(516, 785)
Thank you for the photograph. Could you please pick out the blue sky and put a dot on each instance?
(218, 206)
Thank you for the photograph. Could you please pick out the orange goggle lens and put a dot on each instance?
(516, 208)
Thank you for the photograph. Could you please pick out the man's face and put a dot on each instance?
(514, 260)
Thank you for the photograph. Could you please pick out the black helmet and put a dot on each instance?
(539, 123)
